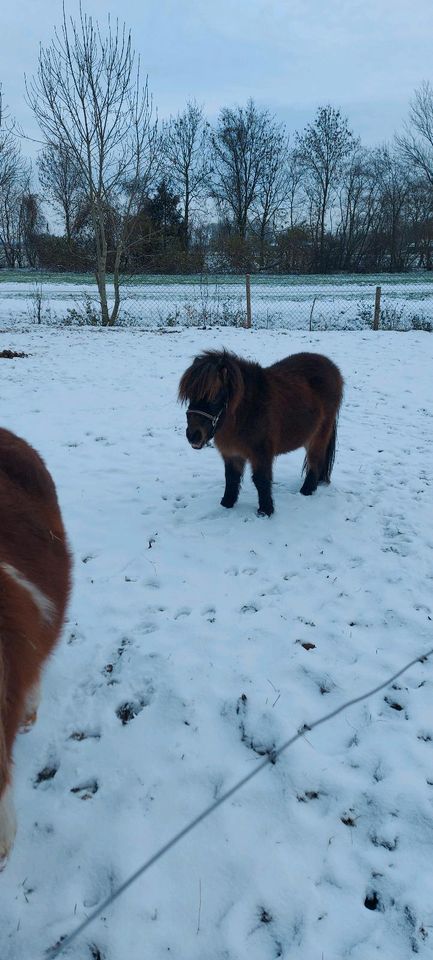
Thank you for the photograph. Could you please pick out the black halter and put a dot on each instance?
(213, 417)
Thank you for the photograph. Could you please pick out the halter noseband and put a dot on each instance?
(213, 417)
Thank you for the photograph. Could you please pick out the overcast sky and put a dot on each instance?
(364, 56)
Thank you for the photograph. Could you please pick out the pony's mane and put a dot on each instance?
(208, 373)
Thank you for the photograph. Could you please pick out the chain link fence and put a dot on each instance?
(343, 302)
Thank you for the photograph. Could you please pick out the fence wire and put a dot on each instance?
(340, 302)
(271, 758)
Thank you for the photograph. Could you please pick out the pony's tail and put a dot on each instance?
(325, 474)
(328, 463)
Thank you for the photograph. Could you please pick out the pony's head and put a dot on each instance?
(212, 385)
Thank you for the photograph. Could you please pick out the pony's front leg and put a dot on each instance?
(33, 700)
(262, 479)
(234, 468)
(8, 825)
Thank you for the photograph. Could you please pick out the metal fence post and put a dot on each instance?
(376, 318)
(248, 292)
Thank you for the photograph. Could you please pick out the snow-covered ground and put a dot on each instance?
(200, 638)
(292, 302)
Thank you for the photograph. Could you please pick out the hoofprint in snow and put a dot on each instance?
(199, 639)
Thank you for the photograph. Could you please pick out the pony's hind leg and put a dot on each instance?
(234, 468)
(8, 825)
(319, 458)
(309, 485)
(31, 707)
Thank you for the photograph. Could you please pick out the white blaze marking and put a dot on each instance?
(8, 823)
(33, 699)
(45, 606)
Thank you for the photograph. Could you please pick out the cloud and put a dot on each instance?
(366, 57)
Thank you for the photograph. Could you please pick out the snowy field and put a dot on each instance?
(291, 302)
(198, 639)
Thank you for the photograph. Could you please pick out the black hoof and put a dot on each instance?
(227, 503)
(262, 512)
(309, 485)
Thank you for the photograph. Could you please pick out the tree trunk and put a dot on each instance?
(101, 280)
(186, 219)
(116, 281)
(262, 245)
(101, 260)
(68, 225)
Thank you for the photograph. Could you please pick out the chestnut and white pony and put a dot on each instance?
(35, 570)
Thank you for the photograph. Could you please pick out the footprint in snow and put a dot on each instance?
(394, 704)
(86, 790)
(210, 614)
(148, 627)
(152, 584)
(47, 773)
(80, 735)
(252, 607)
(308, 795)
(183, 612)
(372, 901)
(131, 708)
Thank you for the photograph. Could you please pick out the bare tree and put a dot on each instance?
(273, 186)
(359, 208)
(295, 199)
(420, 214)
(88, 94)
(20, 218)
(62, 183)
(323, 149)
(9, 222)
(416, 143)
(416, 148)
(240, 152)
(186, 156)
(9, 150)
(18, 206)
(31, 225)
(394, 184)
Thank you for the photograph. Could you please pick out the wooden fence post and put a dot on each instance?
(310, 326)
(248, 292)
(376, 318)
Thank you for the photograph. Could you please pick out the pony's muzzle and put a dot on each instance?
(195, 438)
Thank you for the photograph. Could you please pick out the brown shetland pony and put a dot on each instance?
(254, 413)
(34, 586)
